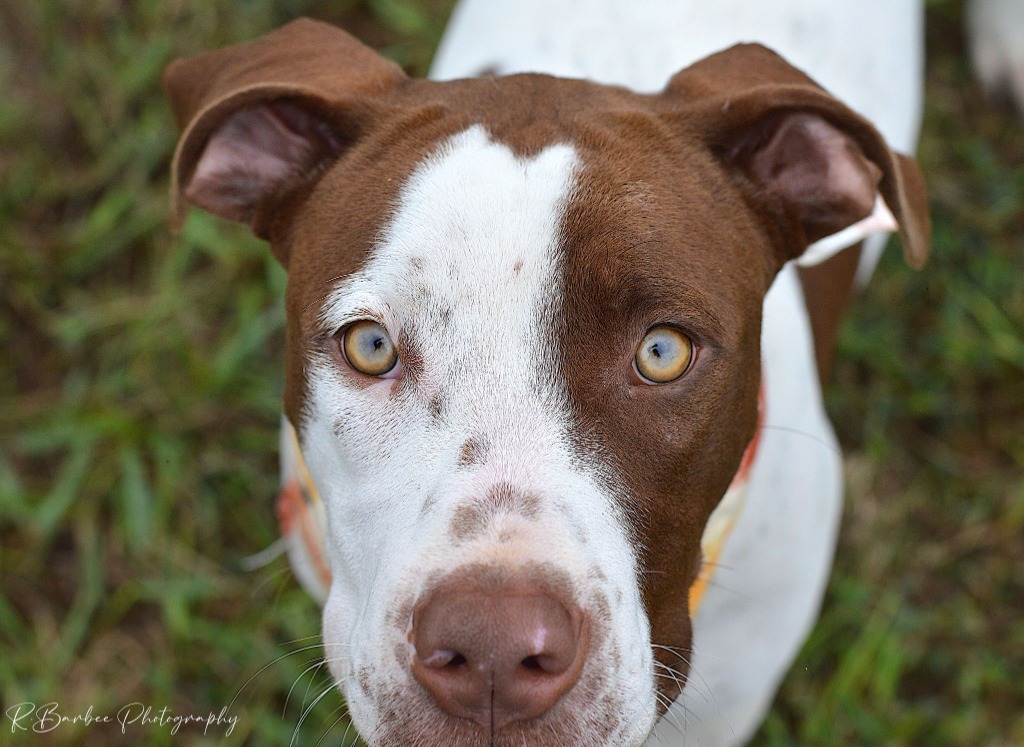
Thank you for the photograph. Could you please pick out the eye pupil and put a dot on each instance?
(368, 348)
(664, 355)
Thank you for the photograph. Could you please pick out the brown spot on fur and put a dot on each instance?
(472, 519)
(428, 504)
(402, 653)
(615, 656)
(468, 522)
(473, 452)
(517, 267)
(363, 679)
(436, 407)
(601, 611)
(579, 530)
(505, 498)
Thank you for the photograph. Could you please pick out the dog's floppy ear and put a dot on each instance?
(807, 163)
(262, 119)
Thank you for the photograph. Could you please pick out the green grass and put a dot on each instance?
(140, 392)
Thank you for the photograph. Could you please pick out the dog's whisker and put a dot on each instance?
(679, 651)
(714, 582)
(684, 654)
(669, 676)
(267, 666)
(281, 574)
(344, 737)
(669, 714)
(717, 565)
(314, 667)
(309, 709)
(668, 672)
(671, 709)
(314, 637)
(695, 681)
(344, 712)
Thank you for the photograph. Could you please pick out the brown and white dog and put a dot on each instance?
(528, 347)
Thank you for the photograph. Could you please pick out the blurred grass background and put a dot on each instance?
(140, 385)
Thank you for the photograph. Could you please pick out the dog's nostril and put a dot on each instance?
(531, 662)
(499, 654)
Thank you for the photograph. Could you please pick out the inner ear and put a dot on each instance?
(258, 155)
(817, 173)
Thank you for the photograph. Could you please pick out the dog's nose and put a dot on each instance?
(497, 654)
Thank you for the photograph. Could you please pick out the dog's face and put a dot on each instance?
(523, 362)
(515, 430)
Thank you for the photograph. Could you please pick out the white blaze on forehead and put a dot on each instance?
(467, 269)
(466, 277)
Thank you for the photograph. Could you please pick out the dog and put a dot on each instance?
(552, 380)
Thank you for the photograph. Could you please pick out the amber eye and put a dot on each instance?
(664, 355)
(368, 348)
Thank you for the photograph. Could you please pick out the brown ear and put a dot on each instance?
(808, 163)
(262, 119)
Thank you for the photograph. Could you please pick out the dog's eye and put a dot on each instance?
(664, 355)
(368, 348)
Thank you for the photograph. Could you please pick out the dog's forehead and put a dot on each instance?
(627, 151)
(502, 194)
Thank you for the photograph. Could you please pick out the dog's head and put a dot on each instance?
(523, 351)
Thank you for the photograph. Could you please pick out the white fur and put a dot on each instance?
(444, 273)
